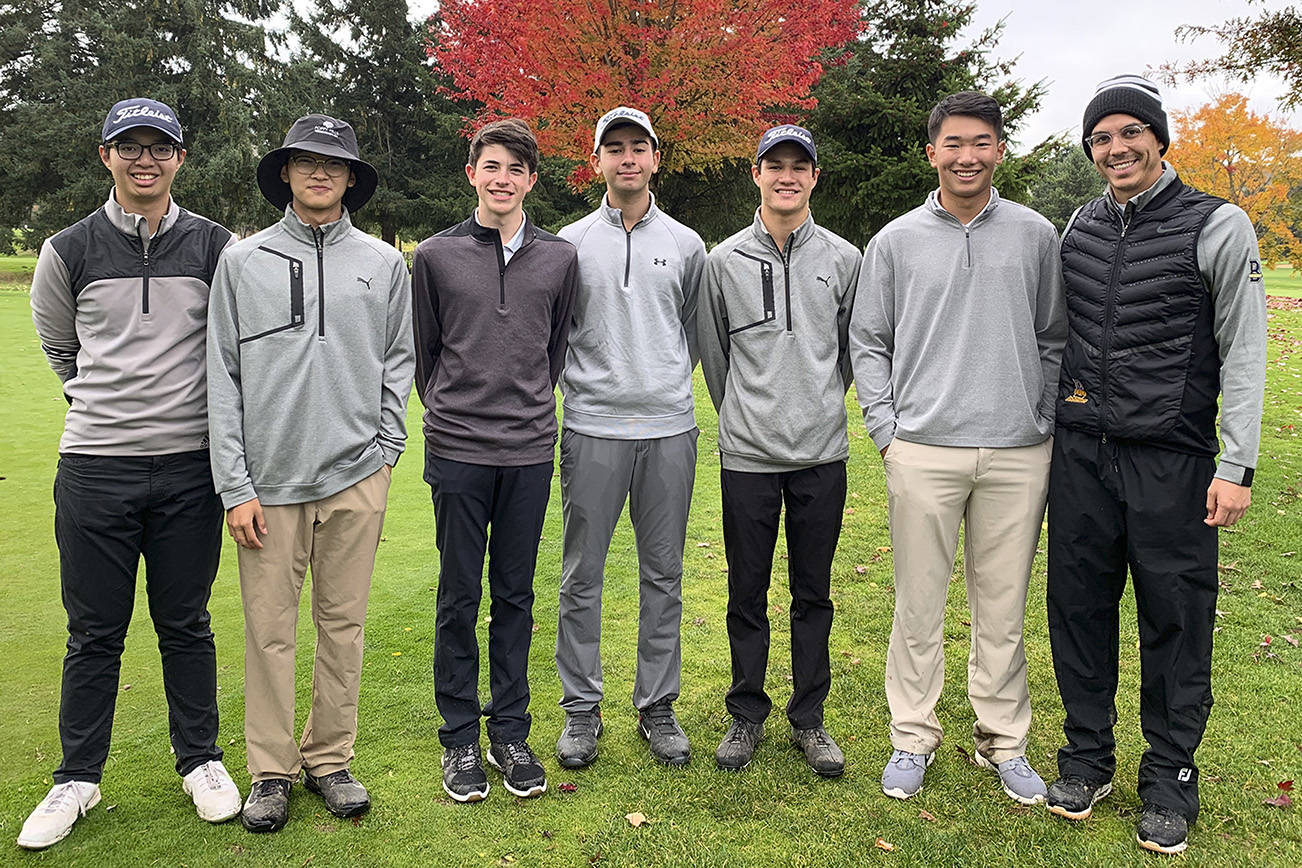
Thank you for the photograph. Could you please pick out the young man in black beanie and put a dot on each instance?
(1166, 309)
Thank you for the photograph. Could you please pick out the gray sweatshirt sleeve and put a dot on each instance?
(54, 313)
(225, 403)
(694, 265)
(845, 308)
(872, 342)
(1231, 266)
(712, 330)
(399, 366)
(1050, 322)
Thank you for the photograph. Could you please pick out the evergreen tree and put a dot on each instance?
(1067, 181)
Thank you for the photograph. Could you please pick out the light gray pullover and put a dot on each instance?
(958, 330)
(628, 369)
(310, 361)
(773, 338)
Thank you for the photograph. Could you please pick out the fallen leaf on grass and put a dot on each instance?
(636, 819)
(928, 816)
(883, 844)
(849, 510)
(1231, 567)
(397, 653)
(1282, 800)
(967, 756)
(126, 686)
(568, 787)
(1257, 585)
(111, 808)
(546, 834)
(705, 545)
(1290, 639)
(860, 569)
(883, 548)
(698, 622)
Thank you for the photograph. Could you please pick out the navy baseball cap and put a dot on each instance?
(775, 136)
(141, 112)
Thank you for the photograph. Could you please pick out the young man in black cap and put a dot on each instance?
(1166, 311)
(309, 368)
(774, 328)
(119, 302)
(493, 298)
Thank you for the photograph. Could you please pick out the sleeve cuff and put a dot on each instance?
(243, 494)
(883, 436)
(1236, 473)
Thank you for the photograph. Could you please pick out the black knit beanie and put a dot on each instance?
(1130, 95)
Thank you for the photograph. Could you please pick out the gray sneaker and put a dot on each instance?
(577, 746)
(1021, 783)
(664, 736)
(738, 745)
(902, 777)
(820, 751)
(344, 794)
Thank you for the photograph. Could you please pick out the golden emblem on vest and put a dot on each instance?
(1078, 395)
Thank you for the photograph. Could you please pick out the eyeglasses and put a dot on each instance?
(305, 165)
(134, 150)
(1128, 133)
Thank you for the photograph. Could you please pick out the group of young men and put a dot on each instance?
(998, 367)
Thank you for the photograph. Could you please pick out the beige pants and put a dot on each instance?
(337, 537)
(999, 494)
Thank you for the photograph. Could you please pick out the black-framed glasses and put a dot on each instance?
(1128, 133)
(133, 150)
(305, 165)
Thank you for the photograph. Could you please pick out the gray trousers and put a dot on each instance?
(656, 478)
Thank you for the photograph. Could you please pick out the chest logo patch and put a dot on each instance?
(1254, 271)
(660, 262)
(365, 280)
(1078, 395)
(824, 280)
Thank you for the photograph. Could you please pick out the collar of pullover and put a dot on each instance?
(615, 217)
(933, 205)
(487, 234)
(135, 224)
(799, 235)
(330, 232)
(1142, 199)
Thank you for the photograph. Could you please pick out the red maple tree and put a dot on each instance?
(713, 74)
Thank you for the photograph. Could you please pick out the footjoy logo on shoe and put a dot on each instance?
(1184, 775)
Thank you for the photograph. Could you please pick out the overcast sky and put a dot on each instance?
(1073, 46)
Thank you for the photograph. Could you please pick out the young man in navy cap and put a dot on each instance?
(309, 368)
(773, 325)
(1166, 312)
(630, 434)
(119, 301)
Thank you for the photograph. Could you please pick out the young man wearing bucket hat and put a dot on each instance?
(1167, 313)
(774, 319)
(629, 434)
(119, 302)
(309, 367)
(493, 299)
(957, 334)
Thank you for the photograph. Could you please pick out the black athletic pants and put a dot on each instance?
(108, 511)
(752, 504)
(1112, 506)
(468, 498)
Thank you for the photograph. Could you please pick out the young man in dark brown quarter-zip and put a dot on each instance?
(493, 299)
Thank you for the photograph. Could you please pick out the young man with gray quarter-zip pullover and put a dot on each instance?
(309, 368)
(629, 434)
(493, 298)
(119, 301)
(773, 326)
(957, 335)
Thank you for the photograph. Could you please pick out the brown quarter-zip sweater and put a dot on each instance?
(490, 342)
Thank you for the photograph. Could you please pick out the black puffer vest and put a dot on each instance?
(1141, 361)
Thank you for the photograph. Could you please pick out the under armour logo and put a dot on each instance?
(824, 280)
(366, 281)
(659, 261)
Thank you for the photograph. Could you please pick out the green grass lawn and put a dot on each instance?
(774, 813)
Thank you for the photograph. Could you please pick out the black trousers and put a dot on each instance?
(752, 503)
(108, 511)
(1118, 505)
(468, 498)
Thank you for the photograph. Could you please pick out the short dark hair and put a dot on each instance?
(966, 103)
(513, 134)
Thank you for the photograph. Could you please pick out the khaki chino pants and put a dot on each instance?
(336, 537)
(999, 494)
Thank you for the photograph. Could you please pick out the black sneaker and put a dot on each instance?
(738, 745)
(820, 751)
(664, 736)
(1162, 830)
(522, 772)
(267, 807)
(577, 746)
(344, 795)
(463, 775)
(1073, 797)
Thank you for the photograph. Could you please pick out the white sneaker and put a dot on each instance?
(215, 795)
(52, 820)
